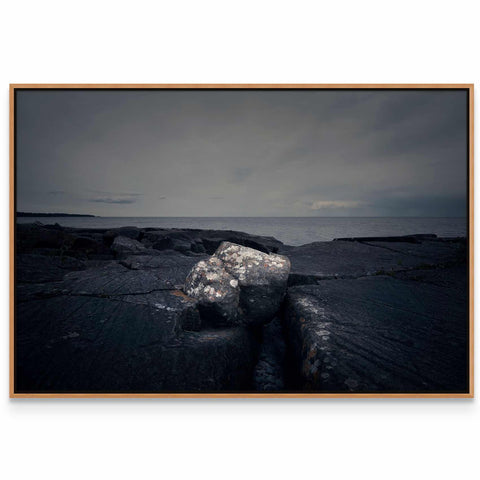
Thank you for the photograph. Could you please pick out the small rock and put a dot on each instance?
(165, 243)
(129, 232)
(85, 244)
(127, 246)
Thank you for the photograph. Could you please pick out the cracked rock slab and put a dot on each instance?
(126, 344)
(380, 334)
(33, 268)
(318, 261)
(136, 274)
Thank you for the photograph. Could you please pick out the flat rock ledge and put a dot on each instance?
(239, 285)
(102, 310)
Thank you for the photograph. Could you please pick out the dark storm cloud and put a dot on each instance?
(369, 153)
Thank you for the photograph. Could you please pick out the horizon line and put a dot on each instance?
(239, 216)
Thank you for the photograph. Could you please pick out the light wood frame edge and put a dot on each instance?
(468, 86)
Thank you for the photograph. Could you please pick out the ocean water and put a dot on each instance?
(289, 230)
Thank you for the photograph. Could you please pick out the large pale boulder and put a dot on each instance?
(216, 290)
(262, 278)
(239, 284)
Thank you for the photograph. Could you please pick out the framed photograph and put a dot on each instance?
(241, 240)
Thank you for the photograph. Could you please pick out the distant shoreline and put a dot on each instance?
(30, 214)
(291, 231)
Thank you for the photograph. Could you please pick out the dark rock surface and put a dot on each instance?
(174, 266)
(102, 310)
(317, 261)
(91, 324)
(206, 241)
(399, 329)
(118, 330)
(33, 268)
(127, 246)
(126, 343)
(31, 236)
(417, 238)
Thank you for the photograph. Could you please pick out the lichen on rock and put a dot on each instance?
(239, 285)
(216, 290)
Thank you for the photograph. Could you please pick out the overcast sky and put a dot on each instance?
(242, 153)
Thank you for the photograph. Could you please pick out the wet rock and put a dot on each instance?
(217, 292)
(127, 246)
(262, 279)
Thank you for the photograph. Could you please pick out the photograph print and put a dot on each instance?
(220, 240)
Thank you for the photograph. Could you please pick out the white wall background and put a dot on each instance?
(257, 42)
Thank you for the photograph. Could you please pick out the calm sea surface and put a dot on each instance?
(290, 230)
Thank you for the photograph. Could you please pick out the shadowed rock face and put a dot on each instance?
(268, 375)
(239, 284)
(127, 246)
(262, 279)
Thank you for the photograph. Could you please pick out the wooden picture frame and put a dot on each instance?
(470, 90)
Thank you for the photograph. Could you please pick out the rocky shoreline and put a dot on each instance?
(107, 311)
